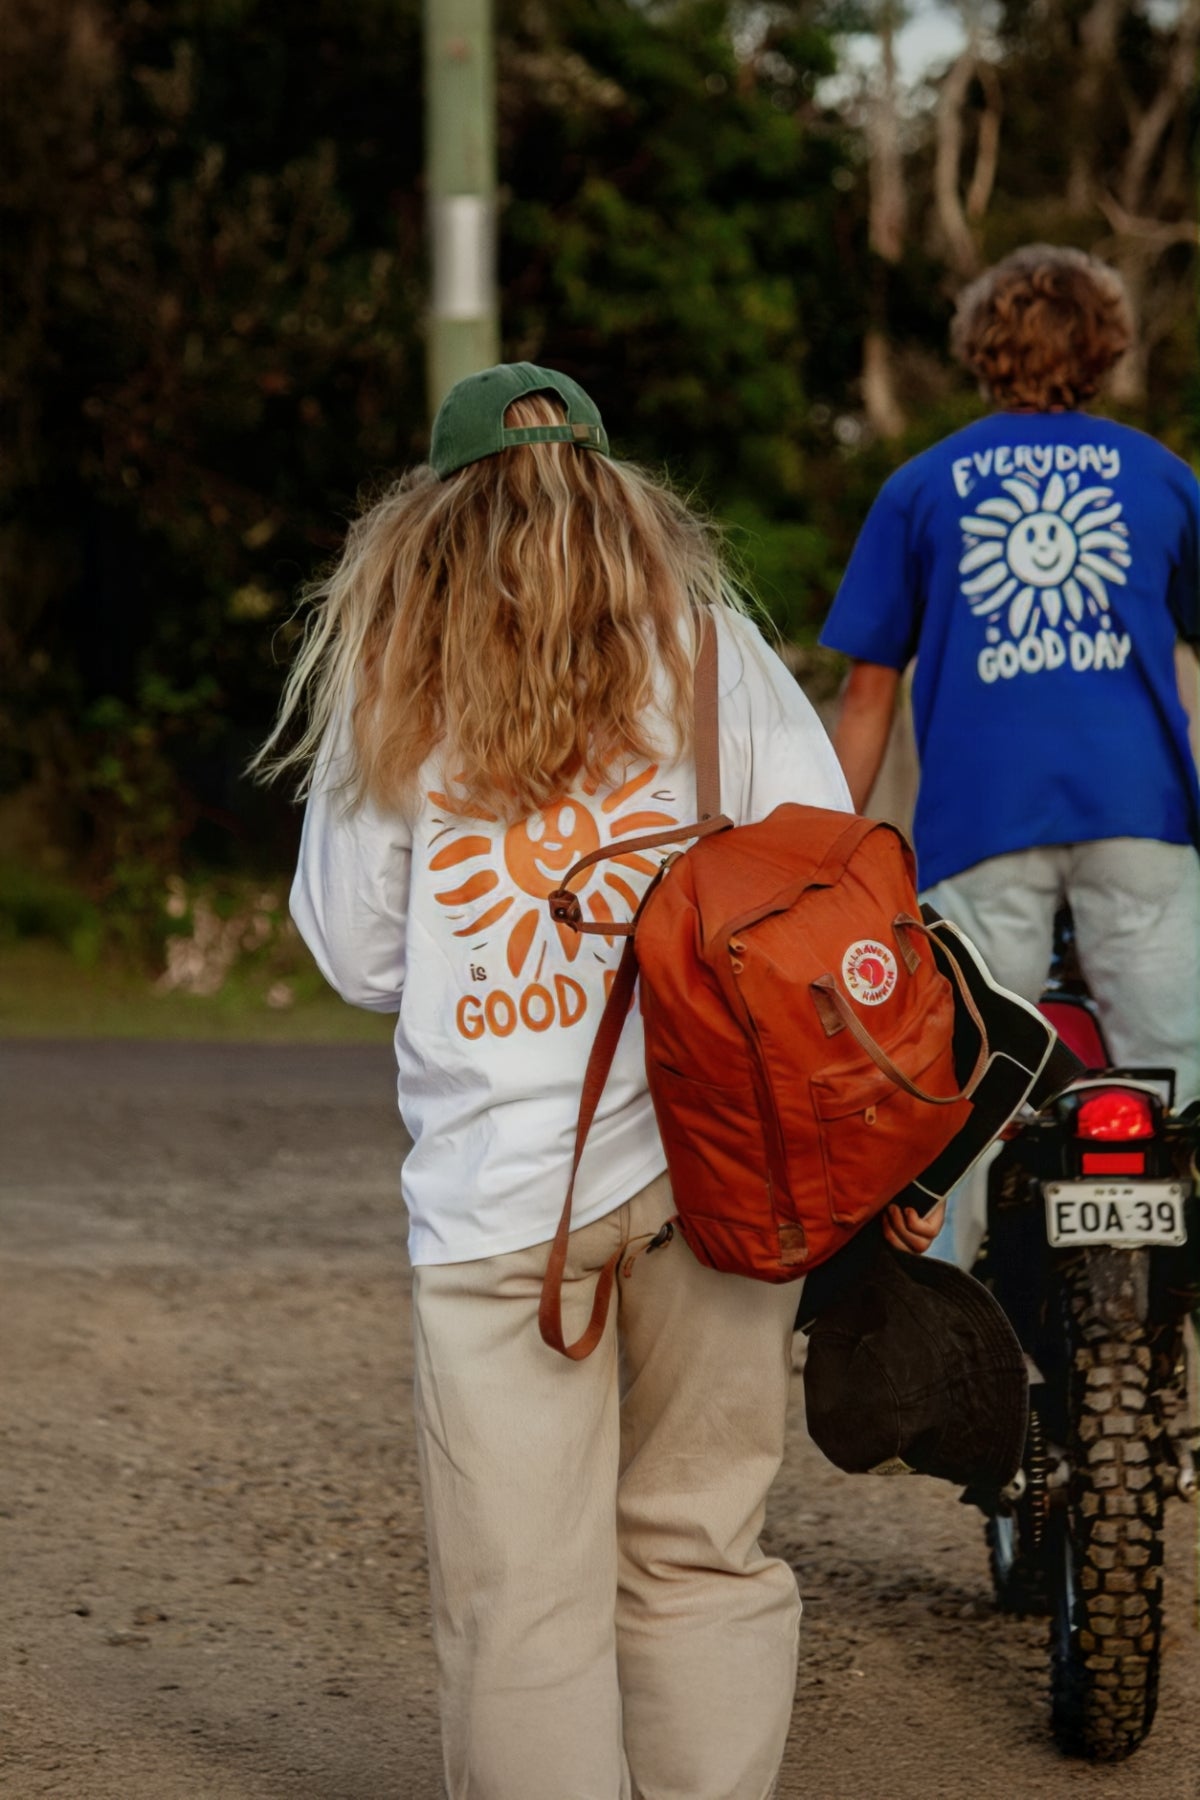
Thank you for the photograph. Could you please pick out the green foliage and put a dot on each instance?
(44, 992)
(214, 273)
(34, 904)
(214, 270)
(683, 235)
(784, 563)
(671, 229)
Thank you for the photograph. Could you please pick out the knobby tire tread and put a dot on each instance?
(1105, 1663)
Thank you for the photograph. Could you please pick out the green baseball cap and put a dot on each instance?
(470, 421)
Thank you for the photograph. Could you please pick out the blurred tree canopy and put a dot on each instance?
(213, 269)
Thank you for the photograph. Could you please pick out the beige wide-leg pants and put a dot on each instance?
(606, 1623)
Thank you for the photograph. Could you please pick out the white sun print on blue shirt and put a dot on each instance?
(1039, 568)
(1039, 564)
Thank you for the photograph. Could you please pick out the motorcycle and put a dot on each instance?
(1093, 1250)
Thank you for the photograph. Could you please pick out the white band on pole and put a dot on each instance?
(464, 235)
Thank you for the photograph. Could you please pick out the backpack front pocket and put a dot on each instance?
(875, 1138)
(718, 1168)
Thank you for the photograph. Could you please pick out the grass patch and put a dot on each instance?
(45, 991)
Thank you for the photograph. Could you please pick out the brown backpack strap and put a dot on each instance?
(706, 731)
(599, 1063)
(564, 907)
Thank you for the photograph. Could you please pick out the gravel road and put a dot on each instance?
(213, 1562)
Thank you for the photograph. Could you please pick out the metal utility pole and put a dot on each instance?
(460, 156)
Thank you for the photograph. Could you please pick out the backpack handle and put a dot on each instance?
(564, 905)
(836, 1011)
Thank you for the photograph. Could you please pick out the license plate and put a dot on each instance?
(1114, 1212)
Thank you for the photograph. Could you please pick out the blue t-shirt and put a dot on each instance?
(1040, 567)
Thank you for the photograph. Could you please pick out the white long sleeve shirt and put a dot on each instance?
(443, 919)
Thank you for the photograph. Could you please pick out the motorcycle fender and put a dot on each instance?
(1118, 1282)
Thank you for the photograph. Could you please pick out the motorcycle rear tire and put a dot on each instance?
(1106, 1555)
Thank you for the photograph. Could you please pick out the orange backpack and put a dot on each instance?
(799, 1035)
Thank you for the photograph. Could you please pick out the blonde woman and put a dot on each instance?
(498, 680)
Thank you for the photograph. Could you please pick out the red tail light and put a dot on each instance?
(1113, 1162)
(1115, 1116)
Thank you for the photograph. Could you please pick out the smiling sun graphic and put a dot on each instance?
(1044, 557)
(503, 880)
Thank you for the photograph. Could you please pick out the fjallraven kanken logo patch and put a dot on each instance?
(869, 972)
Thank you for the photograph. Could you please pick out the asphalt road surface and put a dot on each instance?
(213, 1568)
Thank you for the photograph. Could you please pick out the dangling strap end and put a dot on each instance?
(661, 1238)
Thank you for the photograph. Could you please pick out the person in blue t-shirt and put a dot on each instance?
(1041, 565)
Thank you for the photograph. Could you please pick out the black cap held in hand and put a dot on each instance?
(917, 1369)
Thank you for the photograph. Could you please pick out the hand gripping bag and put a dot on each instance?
(799, 1030)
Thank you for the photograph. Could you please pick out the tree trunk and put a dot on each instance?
(1127, 383)
(1153, 185)
(884, 412)
(1097, 49)
(960, 245)
(887, 211)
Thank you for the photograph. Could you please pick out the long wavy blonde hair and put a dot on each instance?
(516, 617)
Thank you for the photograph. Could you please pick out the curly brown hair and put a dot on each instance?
(1042, 328)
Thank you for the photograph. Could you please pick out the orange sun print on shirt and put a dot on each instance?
(504, 882)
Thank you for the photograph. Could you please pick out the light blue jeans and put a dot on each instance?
(1136, 904)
